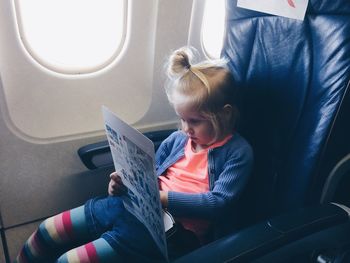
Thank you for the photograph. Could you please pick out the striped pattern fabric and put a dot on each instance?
(60, 232)
(98, 251)
(86, 253)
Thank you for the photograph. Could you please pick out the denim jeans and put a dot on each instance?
(108, 218)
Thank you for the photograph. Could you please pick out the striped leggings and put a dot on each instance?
(65, 238)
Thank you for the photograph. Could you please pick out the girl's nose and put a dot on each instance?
(187, 129)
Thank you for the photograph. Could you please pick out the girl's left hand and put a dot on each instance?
(116, 186)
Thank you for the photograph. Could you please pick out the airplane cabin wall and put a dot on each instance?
(45, 117)
(2, 256)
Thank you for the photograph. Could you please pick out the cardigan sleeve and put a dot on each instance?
(226, 190)
(172, 144)
(162, 153)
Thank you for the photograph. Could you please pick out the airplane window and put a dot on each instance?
(72, 36)
(213, 27)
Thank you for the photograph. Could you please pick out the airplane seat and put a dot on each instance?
(294, 79)
(294, 109)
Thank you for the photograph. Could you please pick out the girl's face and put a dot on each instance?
(196, 126)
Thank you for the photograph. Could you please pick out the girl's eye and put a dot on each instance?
(194, 122)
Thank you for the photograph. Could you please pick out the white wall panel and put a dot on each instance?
(42, 106)
(45, 117)
(2, 256)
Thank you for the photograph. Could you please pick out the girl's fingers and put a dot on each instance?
(115, 177)
(116, 187)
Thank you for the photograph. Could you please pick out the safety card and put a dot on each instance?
(289, 8)
(133, 157)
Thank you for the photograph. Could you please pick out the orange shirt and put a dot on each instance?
(190, 175)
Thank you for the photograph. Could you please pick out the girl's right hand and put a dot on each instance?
(116, 186)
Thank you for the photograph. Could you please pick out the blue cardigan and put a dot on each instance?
(229, 167)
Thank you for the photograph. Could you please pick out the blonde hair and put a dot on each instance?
(207, 86)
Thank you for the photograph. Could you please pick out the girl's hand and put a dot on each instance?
(116, 186)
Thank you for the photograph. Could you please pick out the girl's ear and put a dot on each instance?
(229, 114)
(227, 111)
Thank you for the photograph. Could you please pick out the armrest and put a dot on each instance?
(97, 155)
(334, 179)
(275, 234)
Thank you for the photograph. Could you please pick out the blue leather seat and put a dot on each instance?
(295, 106)
(295, 80)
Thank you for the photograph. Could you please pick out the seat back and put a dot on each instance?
(294, 78)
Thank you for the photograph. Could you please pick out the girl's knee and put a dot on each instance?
(42, 226)
(46, 228)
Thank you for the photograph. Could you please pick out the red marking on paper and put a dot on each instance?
(291, 3)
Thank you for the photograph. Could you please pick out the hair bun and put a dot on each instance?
(180, 62)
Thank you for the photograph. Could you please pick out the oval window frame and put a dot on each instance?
(69, 69)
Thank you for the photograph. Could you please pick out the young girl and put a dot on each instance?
(202, 170)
